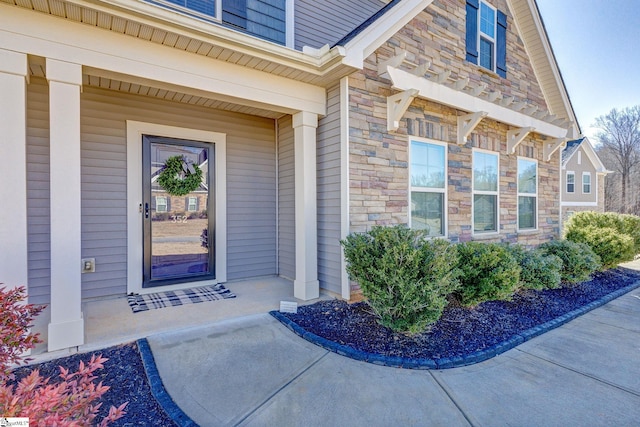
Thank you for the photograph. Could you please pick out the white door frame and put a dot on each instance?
(135, 130)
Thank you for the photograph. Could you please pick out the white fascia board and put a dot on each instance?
(593, 156)
(24, 31)
(553, 65)
(372, 37)
(189, 26)
(459, 100)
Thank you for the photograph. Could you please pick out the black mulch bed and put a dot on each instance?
(125, 374)
(461, 331)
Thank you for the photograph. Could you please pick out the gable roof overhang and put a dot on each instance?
(531, 29)
(321, 67)
(590, 152)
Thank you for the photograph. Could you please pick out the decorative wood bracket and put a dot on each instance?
(515, 137)
(476, 91)
(553, 146)
(397, 105)
(461, 84)
(394, 61)
(421, 70)
(467, 123)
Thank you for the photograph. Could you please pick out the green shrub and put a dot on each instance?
(487, 272)
(578, 260)
(611, 246)
(622, 223)
(404, 277)
(631, 227)
(538, 269)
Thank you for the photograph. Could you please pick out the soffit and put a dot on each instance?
(533, 34)
(199, 37)
(37, 69)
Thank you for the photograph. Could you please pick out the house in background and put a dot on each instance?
(310, 120)
(583, 176)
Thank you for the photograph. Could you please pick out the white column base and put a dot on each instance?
(306, 290)
(65, 335)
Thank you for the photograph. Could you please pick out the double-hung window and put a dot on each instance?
(192, 204)
(527, 194)
(428, 186)
(571, 182)
(586, 182)
(485, 191)
(486, 37)
(161, 204)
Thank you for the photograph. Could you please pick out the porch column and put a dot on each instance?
(67, 325)
(306, 285)
(13, 164)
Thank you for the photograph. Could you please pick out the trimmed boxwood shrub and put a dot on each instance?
(404, 277)
(622, 223)
(538, 269)
(611, 246)
(578, 260)
(487, 272)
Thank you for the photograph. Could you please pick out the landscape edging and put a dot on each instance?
(456, 361)
(157, 386)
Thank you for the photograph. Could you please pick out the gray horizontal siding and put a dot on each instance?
(325, 22)
(267, 19)
(38, 205)
(251, 185)
(251, 201)
(328, 182)
(286, 200)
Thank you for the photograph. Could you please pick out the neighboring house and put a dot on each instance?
(310, 120)
(583, 175)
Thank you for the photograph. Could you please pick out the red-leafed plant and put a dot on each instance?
(67, 402)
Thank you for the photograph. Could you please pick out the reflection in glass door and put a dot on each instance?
(177, 211)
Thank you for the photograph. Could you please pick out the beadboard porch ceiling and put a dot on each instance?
(37, 69)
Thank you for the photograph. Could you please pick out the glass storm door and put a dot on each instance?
(178, 220)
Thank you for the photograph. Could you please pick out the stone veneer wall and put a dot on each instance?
(379, 170)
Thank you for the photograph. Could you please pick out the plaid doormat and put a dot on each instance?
(174, 298)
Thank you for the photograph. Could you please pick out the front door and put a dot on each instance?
(178, 220)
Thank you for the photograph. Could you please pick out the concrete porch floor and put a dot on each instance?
(111, 322)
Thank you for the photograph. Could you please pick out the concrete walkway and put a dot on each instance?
(254, 371)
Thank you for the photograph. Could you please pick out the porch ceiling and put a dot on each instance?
(37, 69)
(155, 24)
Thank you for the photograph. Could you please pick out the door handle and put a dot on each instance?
(146, 211)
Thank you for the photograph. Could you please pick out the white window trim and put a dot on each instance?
(445, 207)
(165, 204)
(493, 39)
(567, 182)
(526, 195)
(135, 130)
(189, 204)
(585, 174)
(490, 193)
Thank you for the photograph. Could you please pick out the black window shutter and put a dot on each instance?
(501, 47)
(234, 12)
(472, 31)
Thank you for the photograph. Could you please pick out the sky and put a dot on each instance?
(597, 48)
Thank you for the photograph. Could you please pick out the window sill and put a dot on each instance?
(528, 231)
(485, 236)
(486, 71)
